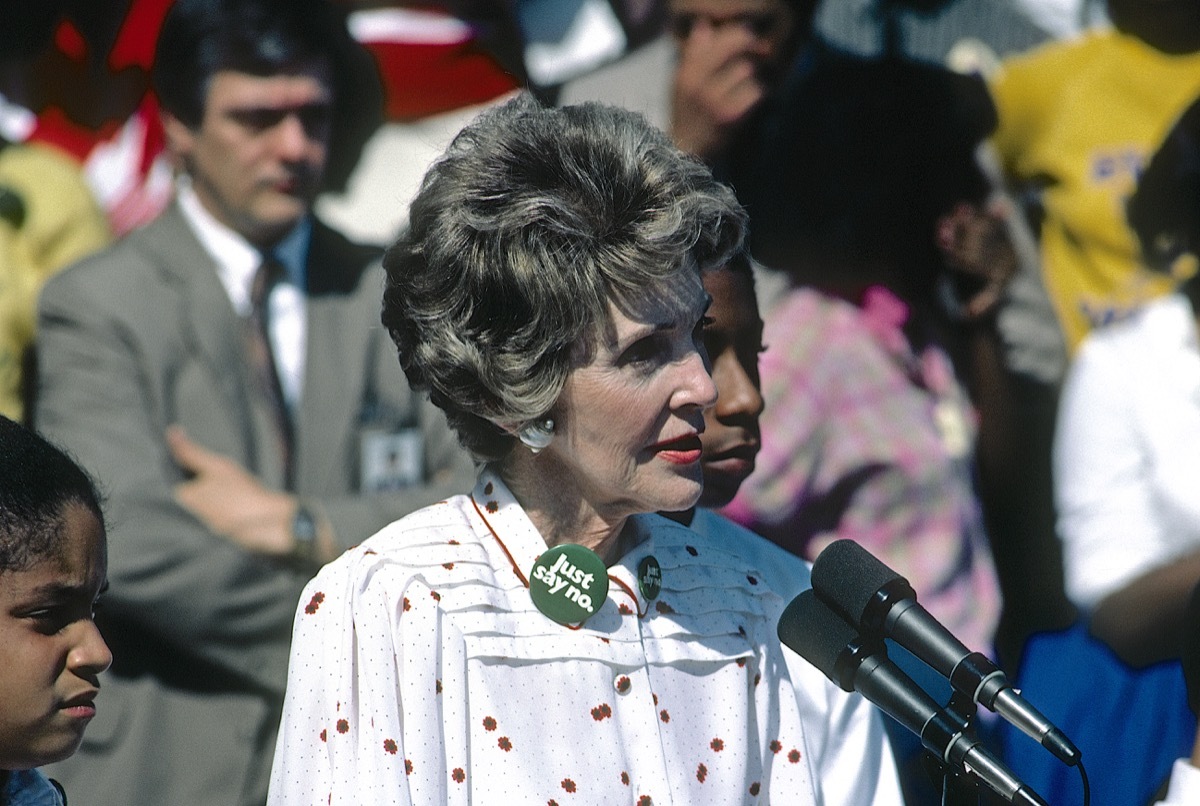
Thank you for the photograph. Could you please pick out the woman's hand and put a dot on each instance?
(979, 252)
(1145, 621)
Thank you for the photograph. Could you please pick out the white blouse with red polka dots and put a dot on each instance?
(422, 673)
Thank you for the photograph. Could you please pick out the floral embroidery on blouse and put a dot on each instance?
(314, 603)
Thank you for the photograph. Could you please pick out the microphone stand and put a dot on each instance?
(958, 789)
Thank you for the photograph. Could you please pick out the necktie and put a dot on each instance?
(262, 356)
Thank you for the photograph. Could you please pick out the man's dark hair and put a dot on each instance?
(200, 38)
(37, 482)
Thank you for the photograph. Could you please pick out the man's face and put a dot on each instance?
(771, 23)
(257, 157)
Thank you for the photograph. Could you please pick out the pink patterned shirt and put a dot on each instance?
(867, 440)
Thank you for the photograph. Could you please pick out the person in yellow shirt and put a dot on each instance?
(1078, 119)
(48, 215)
(48, 219)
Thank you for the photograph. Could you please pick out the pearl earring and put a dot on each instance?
(537, 436)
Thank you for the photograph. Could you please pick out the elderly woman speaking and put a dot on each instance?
(547, 638)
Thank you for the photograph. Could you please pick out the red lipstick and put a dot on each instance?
(683, 450)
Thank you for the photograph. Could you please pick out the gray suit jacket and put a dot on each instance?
(142, 336)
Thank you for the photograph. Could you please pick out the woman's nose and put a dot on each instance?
(697, 387)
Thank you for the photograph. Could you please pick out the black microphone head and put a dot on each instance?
(823, 638)
(849, 579)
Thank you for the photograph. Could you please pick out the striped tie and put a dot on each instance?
(262, 356)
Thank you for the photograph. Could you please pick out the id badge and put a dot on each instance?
(391, 460)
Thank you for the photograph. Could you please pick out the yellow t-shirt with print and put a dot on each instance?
(58, 222)
(1082, 118)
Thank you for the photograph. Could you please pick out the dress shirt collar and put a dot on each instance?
(235, 257)
(29, 788)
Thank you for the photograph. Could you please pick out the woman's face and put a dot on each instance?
(733, 339)
(628, 422)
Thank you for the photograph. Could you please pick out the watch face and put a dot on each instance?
(304, 526)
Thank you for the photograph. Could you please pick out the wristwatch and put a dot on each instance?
(304, 536)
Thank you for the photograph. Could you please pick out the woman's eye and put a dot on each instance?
(640, 353)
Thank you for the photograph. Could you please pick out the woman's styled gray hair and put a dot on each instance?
(534, 220)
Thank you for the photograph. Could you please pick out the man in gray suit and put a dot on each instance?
(247, 425)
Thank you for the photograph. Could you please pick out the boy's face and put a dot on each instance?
(51, 653)
(733, 339)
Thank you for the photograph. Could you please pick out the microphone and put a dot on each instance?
(867, 593)
(825, 640)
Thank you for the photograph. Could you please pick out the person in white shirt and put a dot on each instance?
(1127, 456)
(548, 638)
(1128, 447)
